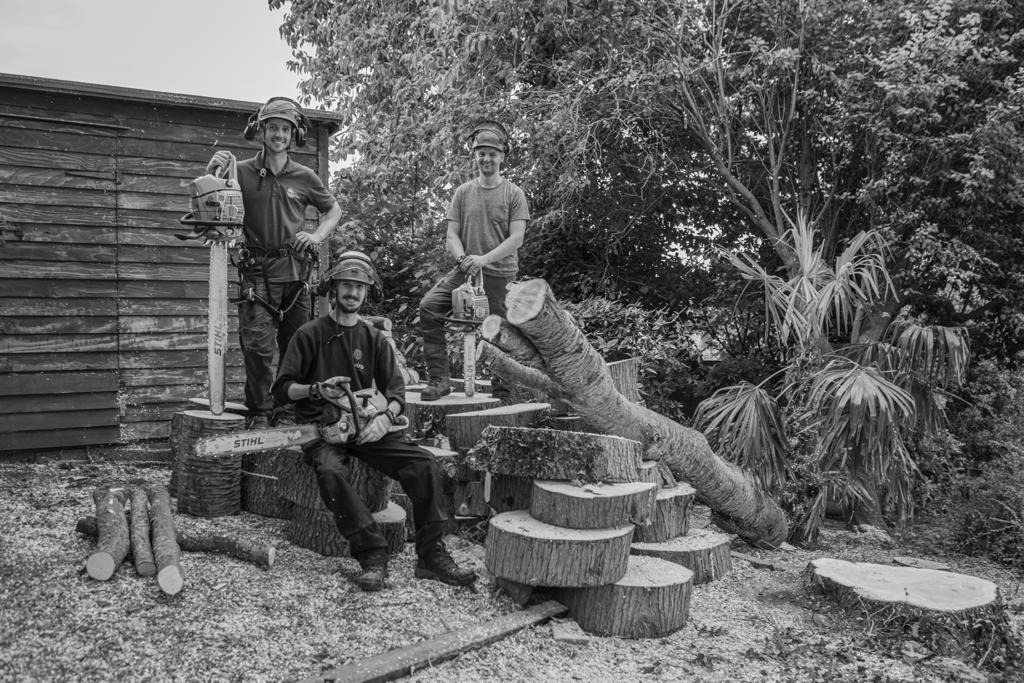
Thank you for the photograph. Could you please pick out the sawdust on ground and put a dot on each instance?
(234, 621)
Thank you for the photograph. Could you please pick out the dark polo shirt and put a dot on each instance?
(275, 207)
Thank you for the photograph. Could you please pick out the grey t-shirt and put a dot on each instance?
(485, 216)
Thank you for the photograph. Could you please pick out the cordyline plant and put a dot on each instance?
(838, 422)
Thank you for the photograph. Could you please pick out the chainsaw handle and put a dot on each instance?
(353, 405)
(227, 170)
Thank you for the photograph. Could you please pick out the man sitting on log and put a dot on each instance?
(342, 345)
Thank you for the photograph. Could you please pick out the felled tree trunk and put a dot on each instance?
(579, 372)
(142, 549)
(113, 542)
(193, 541)
(165, 541)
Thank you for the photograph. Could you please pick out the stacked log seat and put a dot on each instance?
(311, 524)
(316, 530)
(297, 483)
(703, 551)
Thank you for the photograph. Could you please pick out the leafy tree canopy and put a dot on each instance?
(646, 130)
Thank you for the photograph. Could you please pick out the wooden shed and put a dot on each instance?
(102, 307)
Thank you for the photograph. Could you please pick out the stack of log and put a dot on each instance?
(137, 524)
(583, 496)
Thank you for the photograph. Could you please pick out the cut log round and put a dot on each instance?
(259, 483)
(573, 364)
(190, 425)
(592, 506)
(928, 590)
(142, 548)
(704, 552)
(625, 376)
(671, 516)
(197, 541)
(165, 541)
(555, 454)
(509, 493)
(428, 417)
(316, 530)
(956, 614)
(524, 550)
(113, 541)
(297, 485)
(651, 600)
(464, 429)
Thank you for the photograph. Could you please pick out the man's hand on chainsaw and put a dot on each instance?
(375, 430)
(333, 388)
(305, 240)
(222, 160)
(470, 264)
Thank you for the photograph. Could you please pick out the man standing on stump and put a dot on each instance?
(278, 257)
(343, 345)
(486, 225)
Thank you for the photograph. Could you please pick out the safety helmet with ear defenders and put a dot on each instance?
(488, 133)
(279, 108)
(351, 265)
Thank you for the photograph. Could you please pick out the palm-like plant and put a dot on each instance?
(857, 407)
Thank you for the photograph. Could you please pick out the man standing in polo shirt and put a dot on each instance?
(275, 262)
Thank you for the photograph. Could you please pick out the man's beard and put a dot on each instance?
(347, 306)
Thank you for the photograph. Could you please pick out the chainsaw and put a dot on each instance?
(357, 409)
(216, 205)
(469, 305)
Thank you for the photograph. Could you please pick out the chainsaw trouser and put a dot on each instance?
(264, 337)
(437, 304)
(413, 467)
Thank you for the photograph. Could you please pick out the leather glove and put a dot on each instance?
(375, 430)
(329, 388)
(222, 160)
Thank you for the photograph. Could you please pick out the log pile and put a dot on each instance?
(146, 532)
(573, 532)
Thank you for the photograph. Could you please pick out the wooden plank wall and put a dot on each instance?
(102, 308)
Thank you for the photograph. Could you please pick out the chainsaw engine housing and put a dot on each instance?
(216, 200)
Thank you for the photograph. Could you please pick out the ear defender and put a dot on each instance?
(283, 108)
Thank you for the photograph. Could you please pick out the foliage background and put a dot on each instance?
(650, 137)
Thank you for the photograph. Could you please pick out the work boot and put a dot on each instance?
(257, 421)
(283, 417)
(371, 578)
(436, 388)
(438, 565)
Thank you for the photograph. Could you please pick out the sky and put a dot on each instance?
(215, 48)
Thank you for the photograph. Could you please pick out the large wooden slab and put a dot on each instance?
(556, 454)
(592, 506)
(525, 550)
(650, 601)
